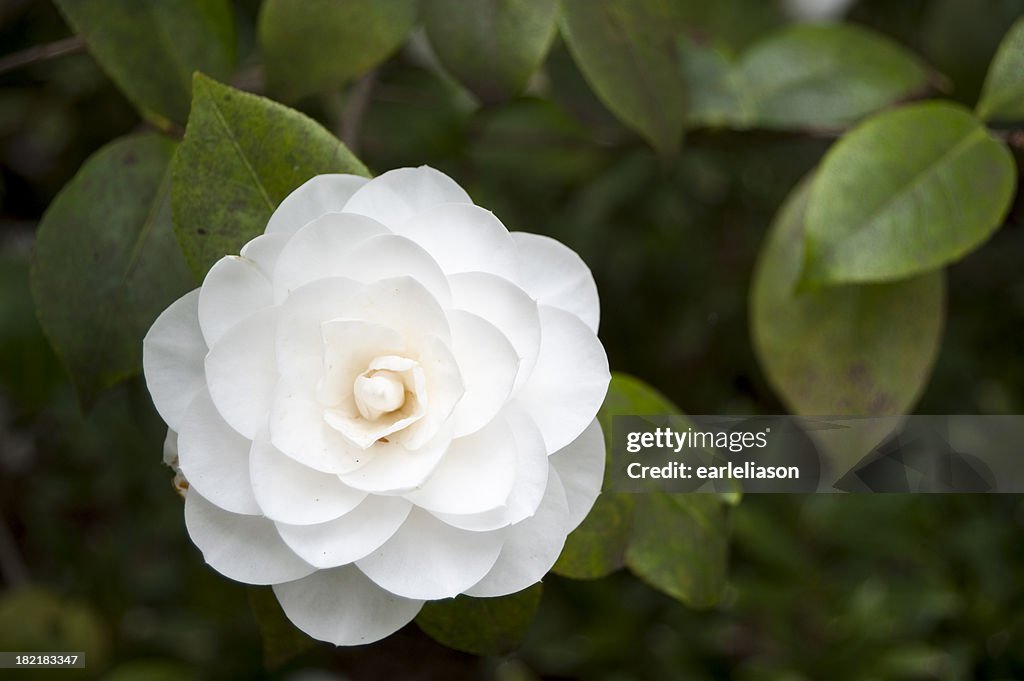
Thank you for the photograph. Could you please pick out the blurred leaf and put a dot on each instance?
(241, 156)
(105, 262)
(826, 76)
(481, 626)
(32, 619)
(491, 46)
(150, 48)
(626, 51)
(150, 670)
(1002, 96)
(282, 641)
(679, 545)
(908, 191)
(319, 45)
(864, 350)
(717, 95)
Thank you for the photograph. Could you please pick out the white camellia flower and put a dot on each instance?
(386, 399)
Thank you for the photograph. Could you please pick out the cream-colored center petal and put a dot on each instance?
(378, 393)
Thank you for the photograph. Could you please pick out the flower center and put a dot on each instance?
(378, 392)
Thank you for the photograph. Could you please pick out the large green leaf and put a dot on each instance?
(826, 76)
(319, 45)
(150, 48)
(481, 626)
(626, 51)
(679, 545)
(906, 192)
(1002, 97)
(242, 154)
(491, 46)
(105, 261)
(858, 350)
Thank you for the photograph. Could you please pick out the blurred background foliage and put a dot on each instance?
(93, 551)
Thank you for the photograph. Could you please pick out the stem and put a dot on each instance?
(39, 53)
(352, 117)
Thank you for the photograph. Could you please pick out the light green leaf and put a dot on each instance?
(319, 45)
(150, 48)
(626, 51)
(717, 95)
(1002, 97)
(861, 350)
(150, 670)
(679, 545)
(826, 76)
(105, 262)
(481, 626)
(491, 46)
(241, 156)
(282, 641)
(906, 192)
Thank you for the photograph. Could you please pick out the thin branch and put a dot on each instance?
(352, 117)
(40, 53)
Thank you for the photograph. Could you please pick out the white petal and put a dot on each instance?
(245, 548)
(428, 559)
(580, 465)
(393, 469)
(531, 547)
(464, 238)
(298, 429)
(569, 381)
(300, 344)
(319, 195)
(476, 474)
(398, 195)
(264, 251)
(352, 536)
(241, 372)
(316, 251)
(444, 389)
(214, 458)
(172, 358)
(403, 304)
(488, 365)
(289, 492)
(234, 288)
(505, 305)
(555, 275)
(343, 607)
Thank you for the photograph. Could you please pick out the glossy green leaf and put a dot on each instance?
(282, 641)
(906, 192)
(319, 45)
(679, 545)
(826, 76)
(1002, 97)
(481, 626)
(105, 262)
(150, 48)
(626, 51)
(491, 46)
(241, 156)
(859, 350)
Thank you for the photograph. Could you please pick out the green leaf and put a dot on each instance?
(241, 156)
(150, 670)
(679, 545)
(105, 262)
(1002, 97)
(150, 48)
(319, 45)
(481, 626)
(598, 546)
(717, 95)
(860, 350)
(826, 76)
(491, 46)
(626, 51)
(282, 641)
(906, 192)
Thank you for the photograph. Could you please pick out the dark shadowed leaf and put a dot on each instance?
(106, 263)
(282, 641)
(150, 48)
(241, 155)
(1002, 97)
(481, 626)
